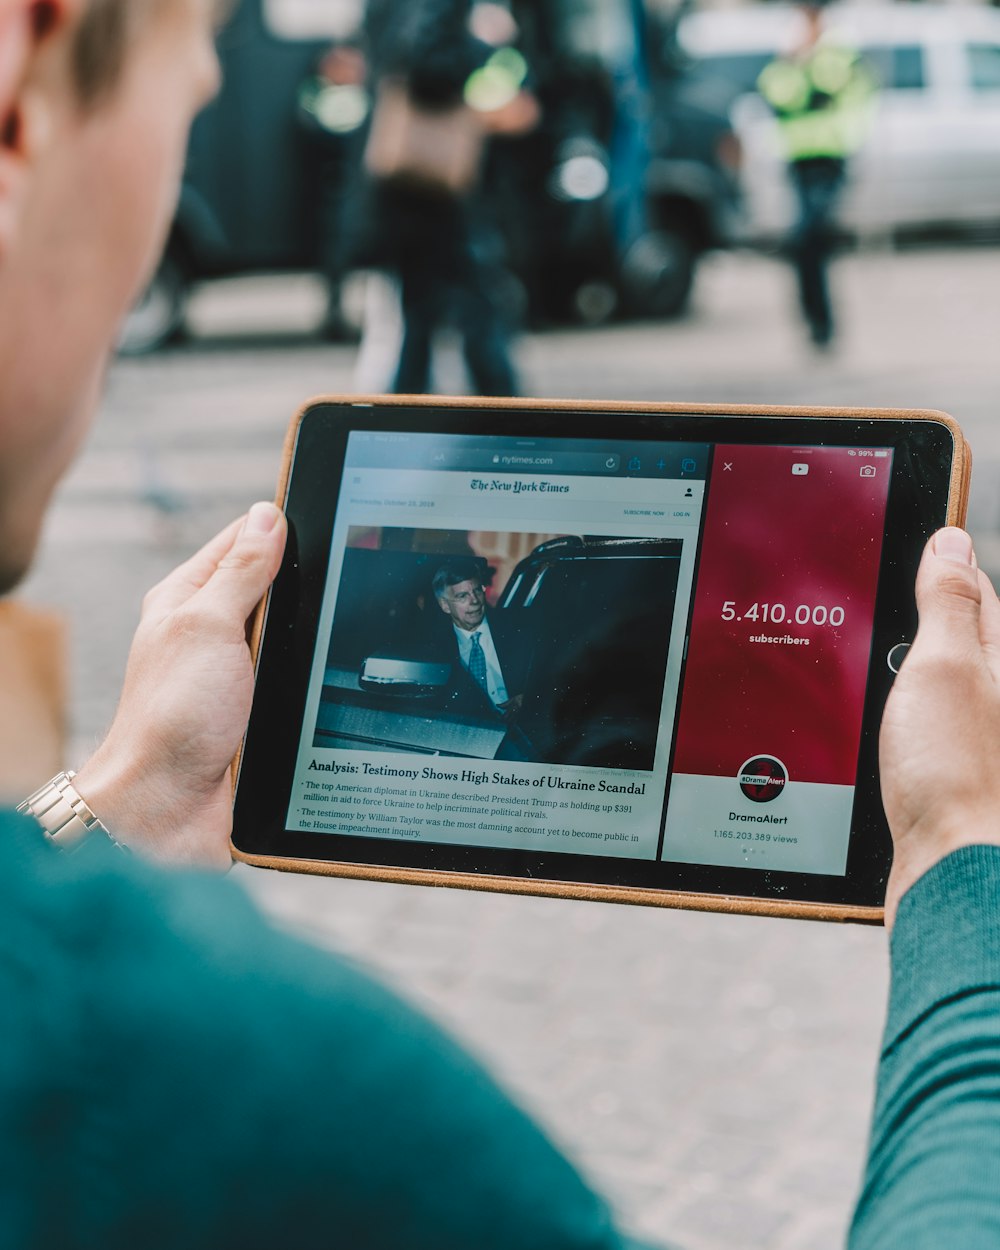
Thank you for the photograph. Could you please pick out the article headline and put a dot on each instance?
(479, 777)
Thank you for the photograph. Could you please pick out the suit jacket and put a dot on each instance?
(514, 648)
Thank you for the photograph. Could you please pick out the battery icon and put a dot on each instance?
(881, 455)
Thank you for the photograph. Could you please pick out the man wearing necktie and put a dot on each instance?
(491, 656)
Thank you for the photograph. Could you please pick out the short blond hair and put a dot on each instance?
(102, 41)
(105, 34)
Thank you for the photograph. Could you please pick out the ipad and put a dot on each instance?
(616, 651)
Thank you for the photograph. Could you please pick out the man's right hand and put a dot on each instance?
(940, 742)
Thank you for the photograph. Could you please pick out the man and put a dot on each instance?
(172, 1072)
(492, 655)
(425, 225)
(332, 108)
(820, 95)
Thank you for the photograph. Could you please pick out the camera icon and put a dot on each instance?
(867, 470)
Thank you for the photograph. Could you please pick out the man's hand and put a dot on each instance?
(940, 743)
(160, 780)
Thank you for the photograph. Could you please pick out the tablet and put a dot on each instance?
(632, 652)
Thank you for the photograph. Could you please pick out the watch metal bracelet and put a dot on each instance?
(63, 815)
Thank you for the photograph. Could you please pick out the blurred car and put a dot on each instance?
(259, 184)
(931, 160)
(696, 161)
(252, 197)
(570, 173)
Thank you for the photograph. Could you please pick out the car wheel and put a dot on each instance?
(658, 272)
(158, 315)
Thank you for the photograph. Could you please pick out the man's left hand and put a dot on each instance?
(160, 781)
(512, 706)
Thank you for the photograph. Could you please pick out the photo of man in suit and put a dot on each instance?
(489, 653)
(538, 648)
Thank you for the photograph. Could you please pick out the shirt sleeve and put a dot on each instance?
(933, 1173)
(186, 1075)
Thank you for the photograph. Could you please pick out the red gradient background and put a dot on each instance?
(772, 536)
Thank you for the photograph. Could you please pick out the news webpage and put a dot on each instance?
(501, 642)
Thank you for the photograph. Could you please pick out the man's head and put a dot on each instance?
(458, 588)
(96, 99)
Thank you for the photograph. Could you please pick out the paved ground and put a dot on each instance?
(712, 1074)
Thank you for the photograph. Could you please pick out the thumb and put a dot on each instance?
(949, 596)
(243, 575)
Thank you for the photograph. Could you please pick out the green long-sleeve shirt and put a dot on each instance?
(933, 1175)
(174, 1073)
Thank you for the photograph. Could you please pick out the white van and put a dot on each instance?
(932, 156)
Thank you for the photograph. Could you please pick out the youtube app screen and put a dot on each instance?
(778, 657)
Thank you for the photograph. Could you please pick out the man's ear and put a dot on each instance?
(24, 26)
(443, 605)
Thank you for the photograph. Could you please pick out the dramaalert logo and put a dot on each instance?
(762, 778)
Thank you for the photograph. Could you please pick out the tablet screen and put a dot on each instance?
(644, 651)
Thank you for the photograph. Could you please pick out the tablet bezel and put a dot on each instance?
(929, 487)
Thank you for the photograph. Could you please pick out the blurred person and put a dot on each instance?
(821, 95)
(439, 90)
(333, 105)
(174, 1072)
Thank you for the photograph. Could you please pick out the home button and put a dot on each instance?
(897, 655)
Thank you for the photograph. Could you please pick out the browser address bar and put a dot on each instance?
(482, 461)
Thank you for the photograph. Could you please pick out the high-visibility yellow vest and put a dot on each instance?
(822, 101)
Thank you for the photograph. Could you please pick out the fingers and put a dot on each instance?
(178, 587)
(949, 596)
(244, 573)
(989, 625)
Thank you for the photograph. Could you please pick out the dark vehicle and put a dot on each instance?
(608, 85)
(693, 179)
(257, 189)
(593, 616)
(253, 195)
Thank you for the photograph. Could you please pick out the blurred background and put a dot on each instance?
(650, 149)
(582, 198)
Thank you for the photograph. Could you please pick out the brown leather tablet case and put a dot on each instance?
(956, 514)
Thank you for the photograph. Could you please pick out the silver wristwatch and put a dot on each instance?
(63, 815)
